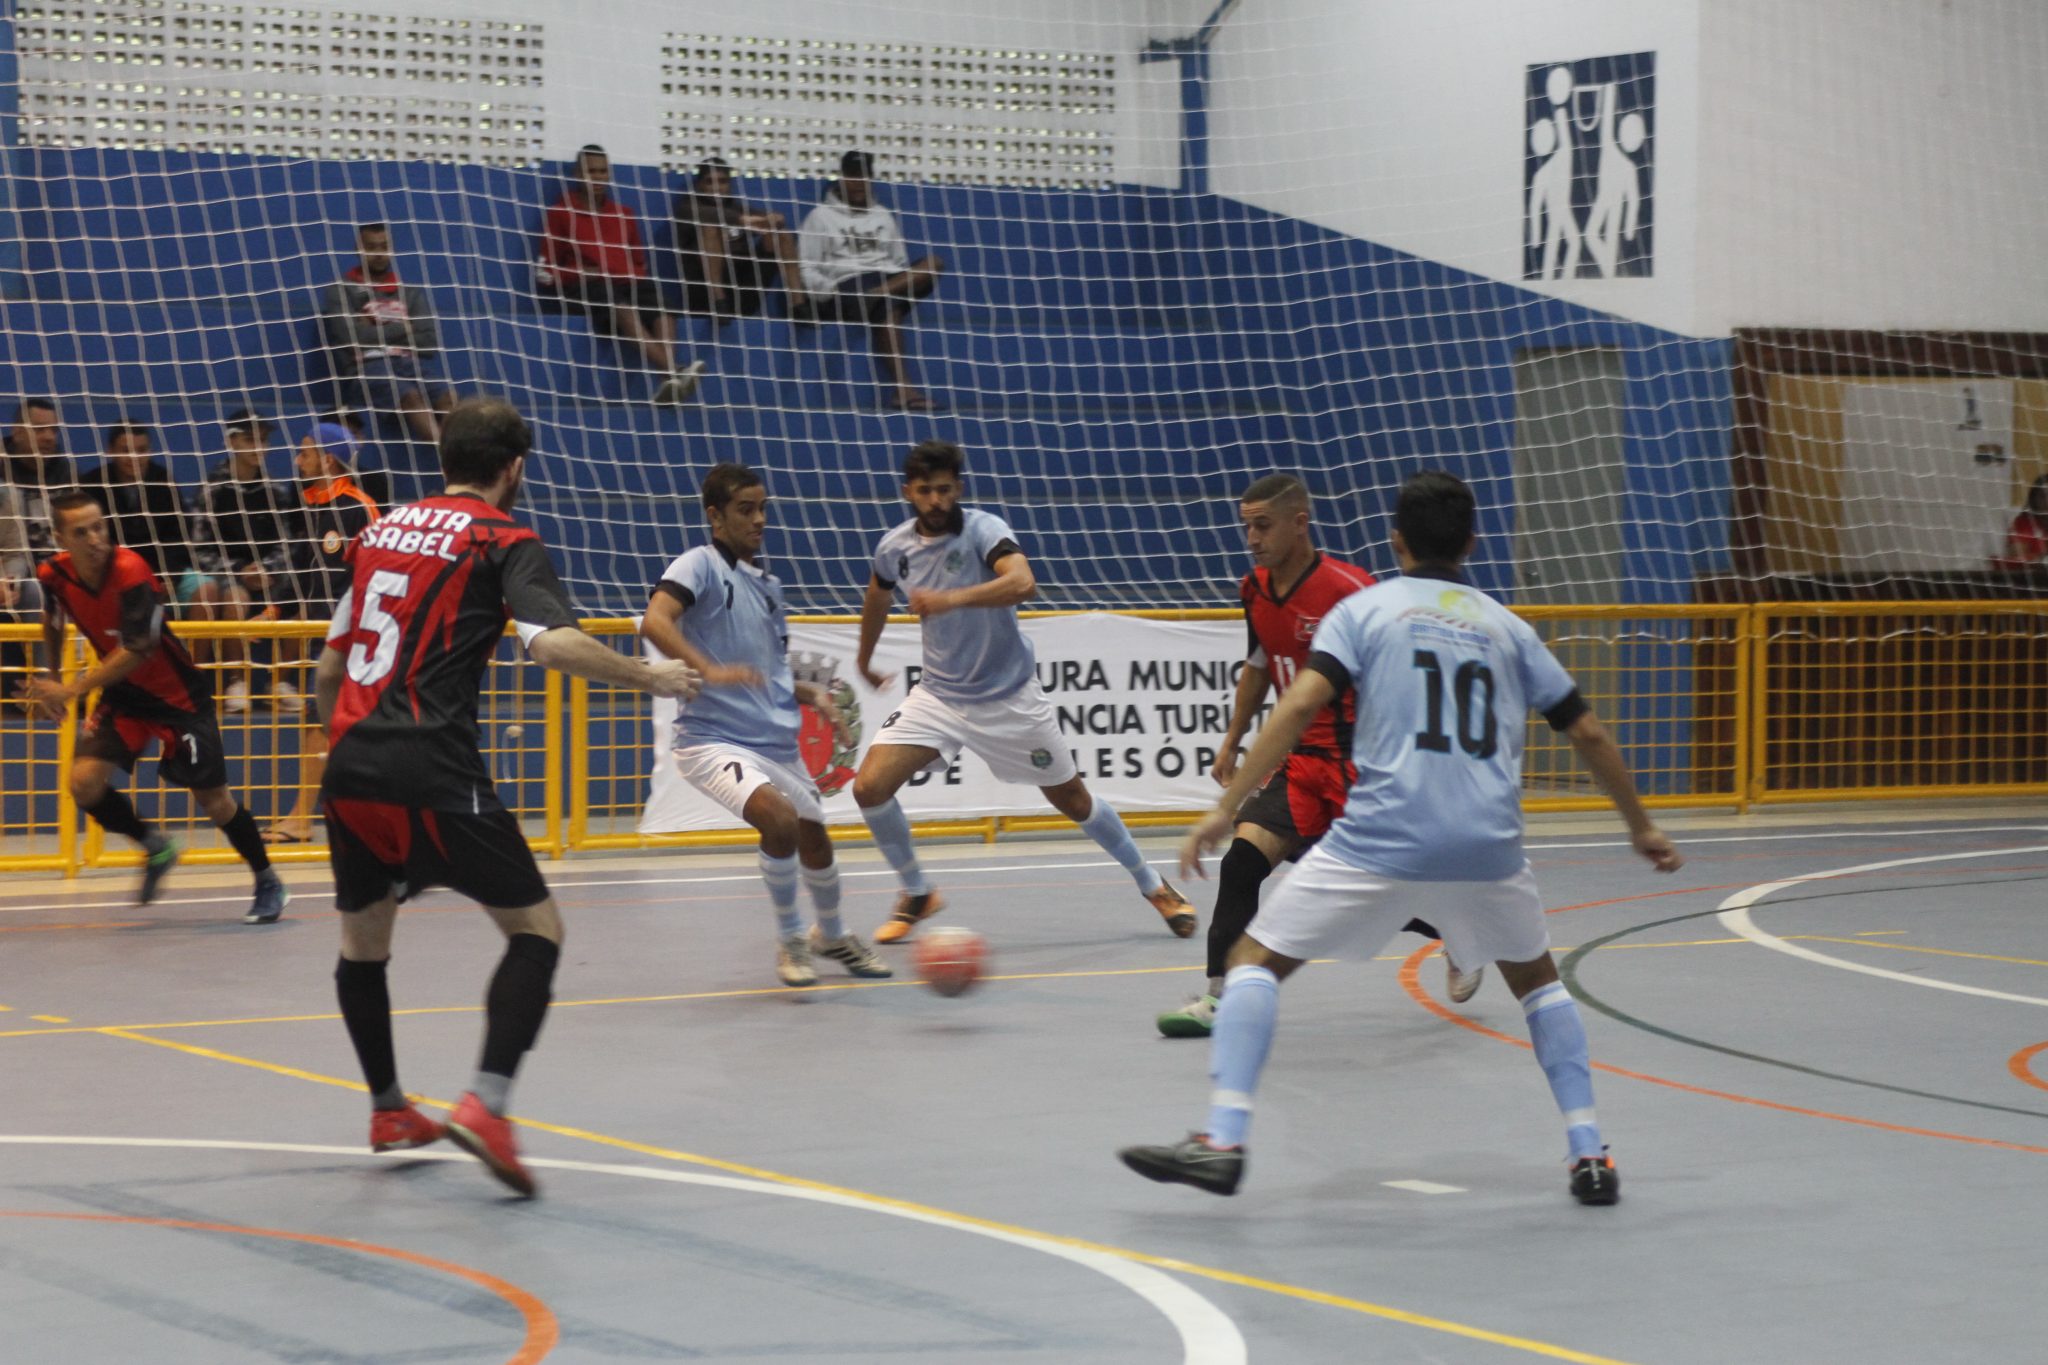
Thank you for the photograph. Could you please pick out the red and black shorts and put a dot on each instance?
(190, 756)
(374, 846)
(1302, 799)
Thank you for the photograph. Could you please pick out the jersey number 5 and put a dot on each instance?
(367, 666)
(1471, 677)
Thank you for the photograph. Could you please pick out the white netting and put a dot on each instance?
(1180, 249)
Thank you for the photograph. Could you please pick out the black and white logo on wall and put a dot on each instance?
(1589, 165)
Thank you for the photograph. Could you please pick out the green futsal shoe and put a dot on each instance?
(1195, 1019)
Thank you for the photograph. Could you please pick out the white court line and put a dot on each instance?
(943, 870)
(1207, 1335)
(1735, 917)
(1423, 1187)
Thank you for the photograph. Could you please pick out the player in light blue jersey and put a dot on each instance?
(1432, 827)
(736, 741)
(964, 575)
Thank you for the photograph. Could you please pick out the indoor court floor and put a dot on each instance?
(1822, 1056)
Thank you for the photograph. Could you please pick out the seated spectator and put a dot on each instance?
(370, 473)
(21, 596)
(334, 512)
(144, 512)
(2026, 540)
(382, 338)
(730, 252)
(856, 269)
(37, 468)
(593, 258)
(243, 531)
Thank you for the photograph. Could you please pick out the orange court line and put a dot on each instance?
(543, 1332)
(2018, 1065)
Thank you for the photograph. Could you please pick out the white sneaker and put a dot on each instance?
(851, 953)
(1461, 986)
(682, 384)
(288, 698)
(236, 697)
(793, 962)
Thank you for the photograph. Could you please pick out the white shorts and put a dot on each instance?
(729, 775)
(1018, 737)
(1329, 908)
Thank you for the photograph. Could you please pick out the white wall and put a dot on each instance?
(1404, 123)
(1875, 163)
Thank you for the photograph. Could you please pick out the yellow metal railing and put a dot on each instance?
(1716, 706)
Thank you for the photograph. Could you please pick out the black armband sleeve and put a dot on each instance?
(1332, 668)
(1565, 713)
(677, 591)
(885, 584)
(1001, 551)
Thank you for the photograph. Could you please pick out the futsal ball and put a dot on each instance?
(949, 959)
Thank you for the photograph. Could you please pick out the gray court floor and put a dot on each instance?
(1824, 1054)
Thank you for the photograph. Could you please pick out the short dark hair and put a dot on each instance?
(857, 165)
(363, 229)
(480, 438)
(1276, 488)
(248, 423)
(712, 165)
(934, 457)
(69, 500)
(21, 408)
(725, 482)
(125, 427)
(590, 149)
(1434, 515)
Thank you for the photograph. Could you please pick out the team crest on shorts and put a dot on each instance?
(827, 758)
(1041, 758)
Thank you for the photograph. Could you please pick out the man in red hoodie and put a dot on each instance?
(597, 262)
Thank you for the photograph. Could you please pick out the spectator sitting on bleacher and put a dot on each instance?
(2026, 540)
(856, 269)
(144, 512)
(593, 258)
(382, 338)
(335, 512)
(21, 596)
(729, 252)
(243, 533)
(37, 468)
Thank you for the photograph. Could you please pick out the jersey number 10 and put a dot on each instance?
(1472, 677)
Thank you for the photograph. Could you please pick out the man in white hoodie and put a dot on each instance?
(856, 269)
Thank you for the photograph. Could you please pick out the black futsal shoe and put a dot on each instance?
(1193, 1162)
(1595, 1181)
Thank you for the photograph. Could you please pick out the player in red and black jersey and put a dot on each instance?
(432, 586)
(1291, 587)
(149, 690)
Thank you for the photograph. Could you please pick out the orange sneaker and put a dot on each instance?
(909, 910)
(1174, 908)
(395, 1130)
(488, 1138)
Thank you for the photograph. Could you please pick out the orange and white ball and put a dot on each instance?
(949, 958)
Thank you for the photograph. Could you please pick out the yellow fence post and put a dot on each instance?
(579, 762)
(551, 760)
(67, 750)
(1743, 708)
(1757, 703)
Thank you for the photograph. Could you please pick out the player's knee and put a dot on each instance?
(218, 804)
(87, 787)
(871, 790)
(1244, 867)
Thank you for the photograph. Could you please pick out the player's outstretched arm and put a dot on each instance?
(1252, 686)
(1283, 729)
(1597, 750)
(874, 614)
(1013, 585)
(49, 696)
(661, 625)
(565, 649)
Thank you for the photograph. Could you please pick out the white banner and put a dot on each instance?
(1142, 702)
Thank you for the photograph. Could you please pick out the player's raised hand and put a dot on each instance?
(1656, 845)
(926, 603)
(673, 678)
(1207, 835)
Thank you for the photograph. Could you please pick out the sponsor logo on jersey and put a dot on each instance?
(1305, 627)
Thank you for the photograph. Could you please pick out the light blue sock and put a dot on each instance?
(824, 887)
(1237, 1050)
(780, 874)
(1560, 1040)
(891, 828)
(1107, 829)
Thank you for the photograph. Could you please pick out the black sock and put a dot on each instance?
(247, 839)
(517, 1001)
(115, 814)
(366, 1008)
(1237, 900)
(1422, 927)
